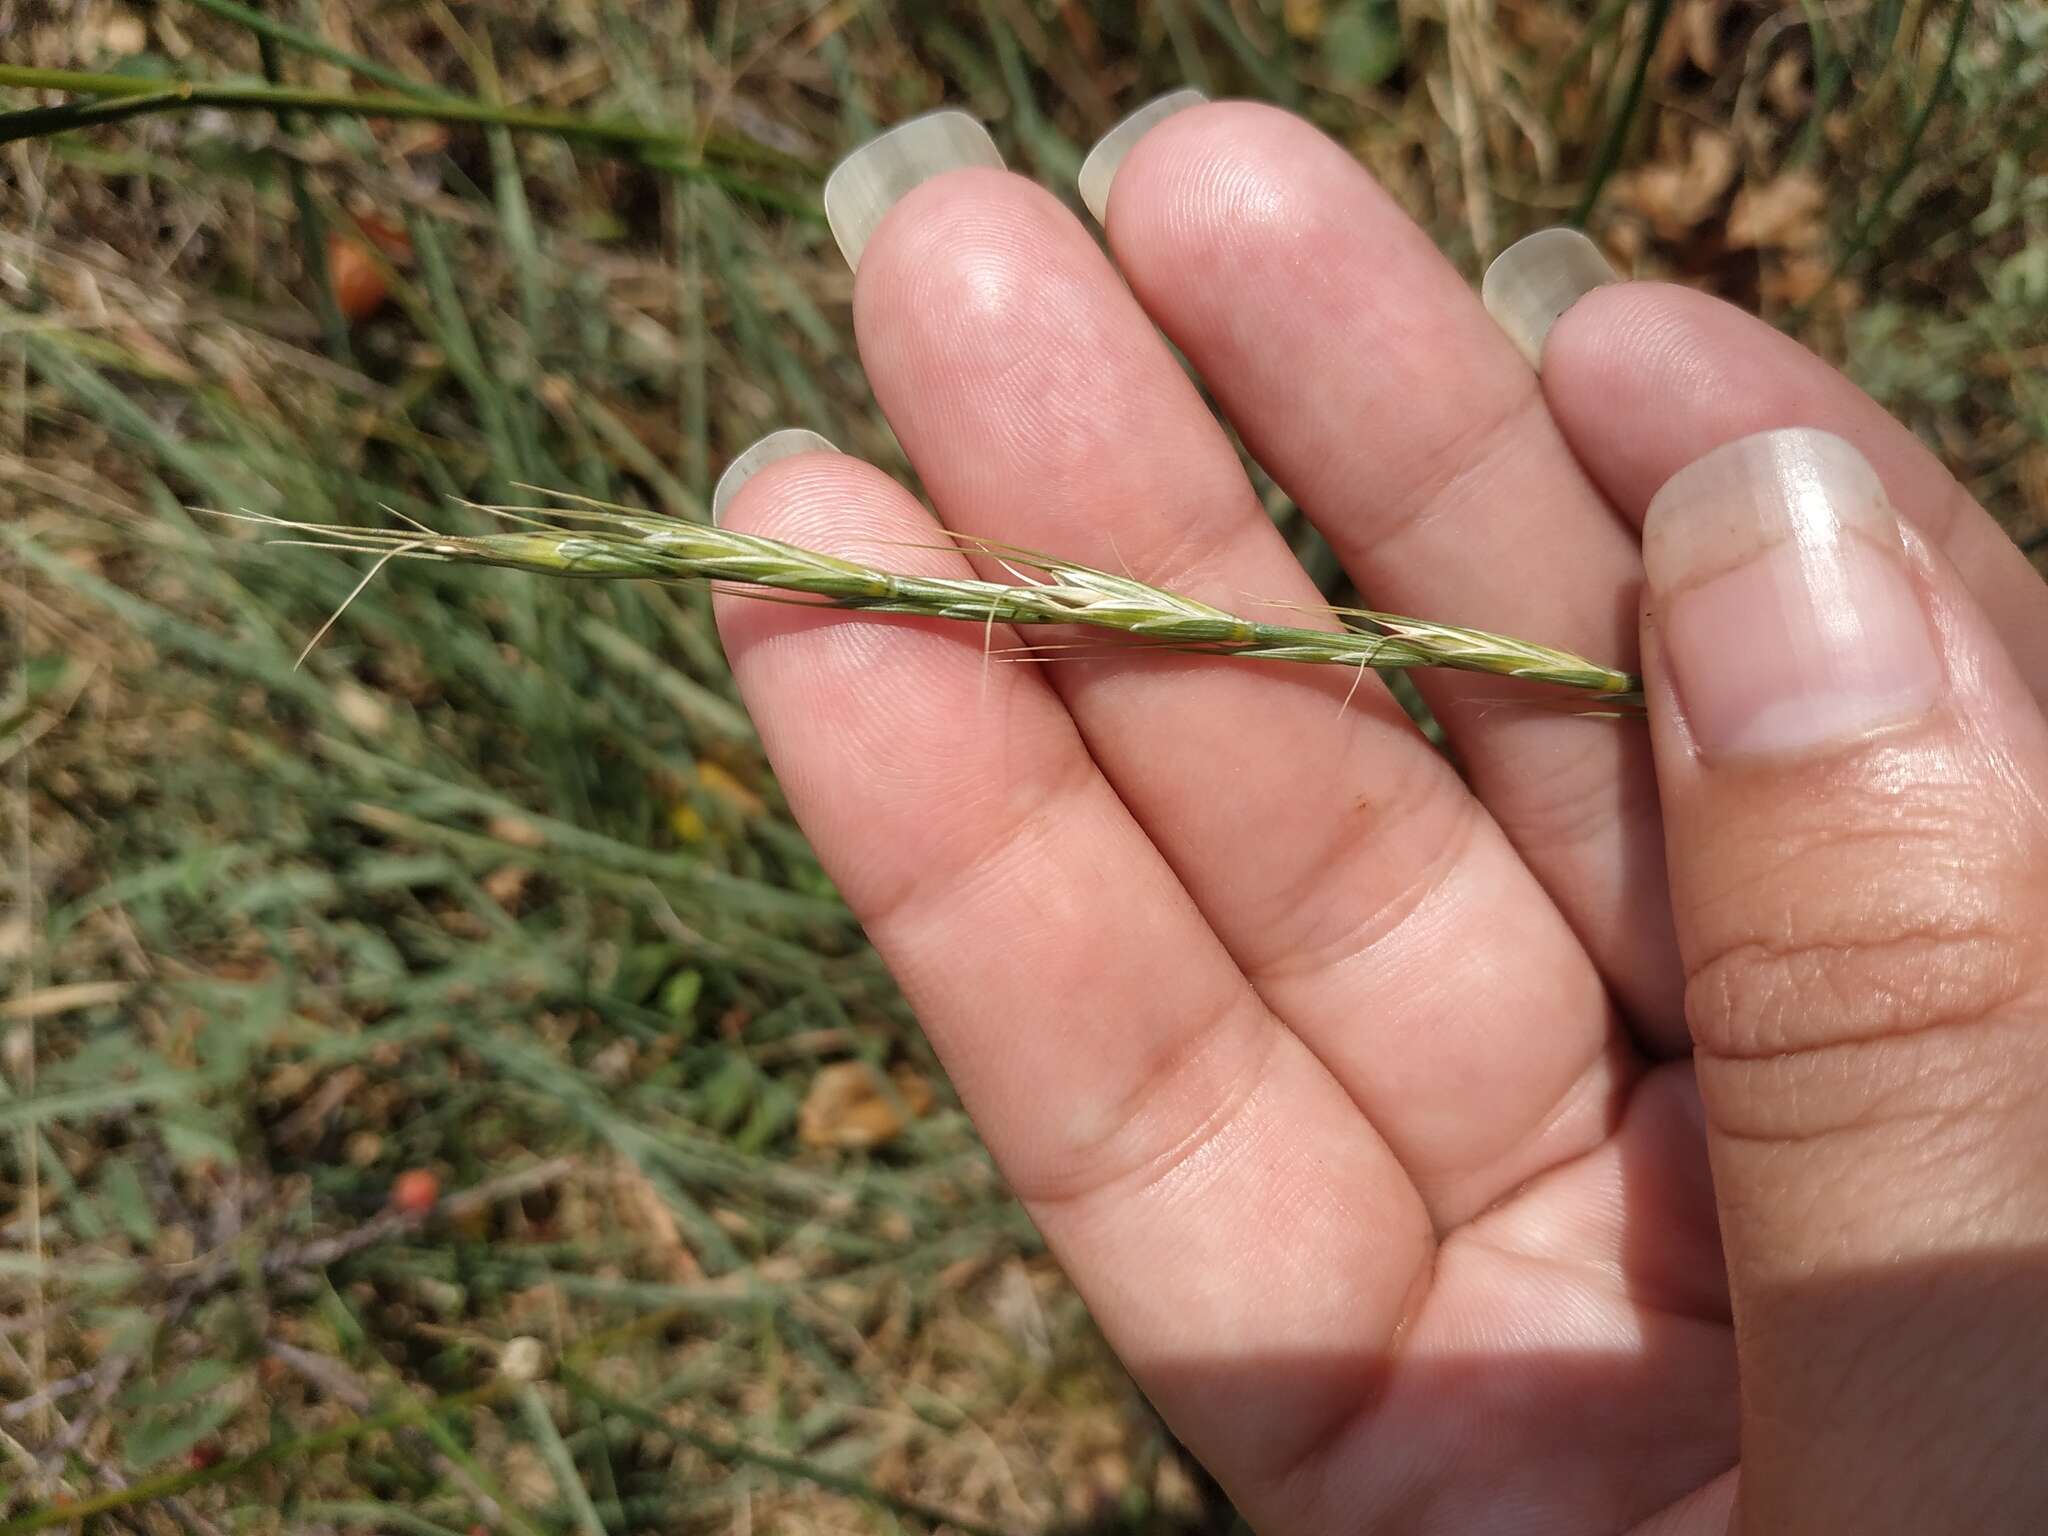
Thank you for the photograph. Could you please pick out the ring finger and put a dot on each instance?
(1365, 375)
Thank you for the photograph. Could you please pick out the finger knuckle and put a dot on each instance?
(1876, 912)
(1854, 984)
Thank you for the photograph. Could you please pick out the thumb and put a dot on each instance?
(1855, 789)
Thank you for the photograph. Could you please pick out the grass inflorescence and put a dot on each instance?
(615, 542)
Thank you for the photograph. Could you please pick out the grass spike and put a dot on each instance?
(619, 543)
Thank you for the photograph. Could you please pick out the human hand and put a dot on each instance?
(1370, 1107)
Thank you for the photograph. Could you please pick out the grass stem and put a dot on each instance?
(1611, 146)
(107, 99)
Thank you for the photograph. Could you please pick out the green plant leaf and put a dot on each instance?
(1361, 41)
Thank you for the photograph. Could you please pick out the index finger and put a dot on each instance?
(1199, 1173)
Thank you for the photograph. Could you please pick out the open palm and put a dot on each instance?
(1355, 1094)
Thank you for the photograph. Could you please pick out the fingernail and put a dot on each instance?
(1537, 279)
(786, 444)
(1099, 169)
(870, 181)
(1782, 597)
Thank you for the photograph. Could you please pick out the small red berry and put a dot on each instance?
(359, 287)
(416, 1191)
(205, 1454)
(359, 290)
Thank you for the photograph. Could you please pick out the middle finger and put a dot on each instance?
(1370, 899)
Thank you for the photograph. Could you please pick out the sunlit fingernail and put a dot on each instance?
(870, 181)
(1782, 595)
(776, 446)
(1537, 279)
(1099, 169)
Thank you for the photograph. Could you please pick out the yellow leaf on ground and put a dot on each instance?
(642, 1210)
(1677, 198)
(852, 1105)
(687, 825)
(717, 781)
(1782, 214)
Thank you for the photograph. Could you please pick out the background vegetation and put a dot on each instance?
(440, 1091)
